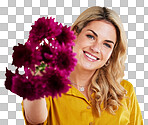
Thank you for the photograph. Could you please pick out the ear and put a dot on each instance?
(75, 33)
(75, 29)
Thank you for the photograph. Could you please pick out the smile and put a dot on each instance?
(90, 57)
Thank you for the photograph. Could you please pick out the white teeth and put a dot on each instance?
(92, 57)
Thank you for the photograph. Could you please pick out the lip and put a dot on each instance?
(92, 60)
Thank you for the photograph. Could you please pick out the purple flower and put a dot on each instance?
(56, 82)
(45, 52)
(64, 60)
(53, 28)
(44, 28)
(24, 55)
(22, 86)
(28, 86)
(9, 76)
(67, 36)
(51, 83)
(39, 30)
(48, 50)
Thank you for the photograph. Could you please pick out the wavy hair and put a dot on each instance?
(105, 83)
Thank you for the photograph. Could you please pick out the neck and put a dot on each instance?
(81, 77)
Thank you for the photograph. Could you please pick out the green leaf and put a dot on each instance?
(40, 68)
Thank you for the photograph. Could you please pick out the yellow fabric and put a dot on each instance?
(74, 109)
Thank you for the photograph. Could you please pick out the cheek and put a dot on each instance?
(107, 54)
(81, 40)
(80, 43)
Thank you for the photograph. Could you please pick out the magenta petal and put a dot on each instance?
(39, 30)
(56, 82)
(24, 55)
(67, 36)
(47, 56)
(65, 60)
(9, 76)
(21, 86)
(21, 54)
(45, 49)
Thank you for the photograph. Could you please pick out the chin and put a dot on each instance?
(89, 68)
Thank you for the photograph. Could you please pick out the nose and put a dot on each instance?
(96, 47)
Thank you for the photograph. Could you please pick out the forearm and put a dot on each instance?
(35, 111)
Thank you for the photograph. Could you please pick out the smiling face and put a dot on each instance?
(94, 44)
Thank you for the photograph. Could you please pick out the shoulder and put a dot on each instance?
(126, 84)
(128, 87)
(132, 104)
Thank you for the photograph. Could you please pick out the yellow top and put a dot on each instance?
(74, 109)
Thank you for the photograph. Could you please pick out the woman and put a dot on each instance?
(98, 94)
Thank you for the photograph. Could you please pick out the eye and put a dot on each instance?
(91, 37)
(107, 45)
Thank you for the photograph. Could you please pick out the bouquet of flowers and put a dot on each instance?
(48, 51)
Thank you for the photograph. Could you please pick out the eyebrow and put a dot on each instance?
(93, 32)
(109, 41)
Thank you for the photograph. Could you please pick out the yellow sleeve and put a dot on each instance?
(45, 123)
(135, 115)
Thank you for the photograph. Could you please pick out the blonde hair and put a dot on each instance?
(106, 81)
